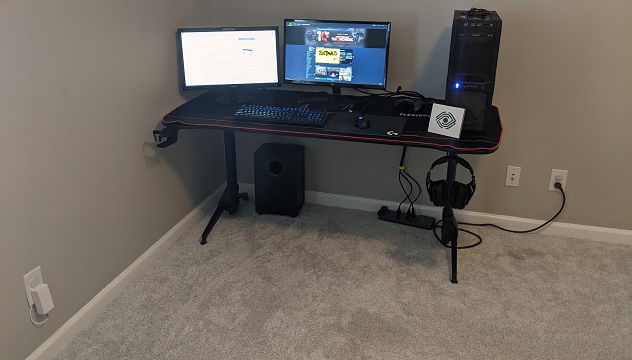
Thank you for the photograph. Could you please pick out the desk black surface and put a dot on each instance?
(204, 113)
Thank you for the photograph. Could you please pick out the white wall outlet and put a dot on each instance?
(558, 176)
(513, 176)
(31, 281)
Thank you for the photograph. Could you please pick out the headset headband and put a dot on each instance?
(445, 159)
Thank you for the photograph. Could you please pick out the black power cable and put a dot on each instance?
(411, 207)
(557, 185)
(398, 93)
(436, 225)
(406, 176)
(407, 193)
(477, 13)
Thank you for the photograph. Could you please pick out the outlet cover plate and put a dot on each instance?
(563, 174)
(513, 176)
(31, 281)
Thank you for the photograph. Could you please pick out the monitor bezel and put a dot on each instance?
(336, 86)
(181, 72)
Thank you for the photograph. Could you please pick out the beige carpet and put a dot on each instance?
(340, 284)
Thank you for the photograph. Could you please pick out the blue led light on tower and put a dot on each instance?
(457, 85)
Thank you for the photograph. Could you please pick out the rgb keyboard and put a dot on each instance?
(281, 115)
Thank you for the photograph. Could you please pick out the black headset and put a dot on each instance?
(460, 194)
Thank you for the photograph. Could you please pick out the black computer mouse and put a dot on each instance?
(362, 122)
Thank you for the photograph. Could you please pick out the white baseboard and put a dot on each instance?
(72, 327)
(82, 318)
(609, 235)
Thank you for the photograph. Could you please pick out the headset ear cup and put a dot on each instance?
(461, 195)
(432, 192)
(458, 195)
(468, 195)
(439, 193)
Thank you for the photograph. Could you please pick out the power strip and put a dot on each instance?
(420, 221)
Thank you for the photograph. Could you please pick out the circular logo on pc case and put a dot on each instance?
(445, 120)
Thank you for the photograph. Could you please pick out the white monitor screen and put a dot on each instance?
(212, 57)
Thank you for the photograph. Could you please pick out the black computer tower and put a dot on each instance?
(472, 66)
(279, 179)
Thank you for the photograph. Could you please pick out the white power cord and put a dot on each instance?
(33, 320)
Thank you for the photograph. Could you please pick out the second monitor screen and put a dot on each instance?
(336, 53)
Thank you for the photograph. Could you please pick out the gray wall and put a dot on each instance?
(564, 83)
(83, 193)
(83, 84)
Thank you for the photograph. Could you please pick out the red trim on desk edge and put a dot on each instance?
(397, 141)
(502, 129)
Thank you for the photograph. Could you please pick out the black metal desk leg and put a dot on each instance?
(450, 227)
(231, 196)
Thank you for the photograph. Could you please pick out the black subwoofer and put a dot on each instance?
(279, 179)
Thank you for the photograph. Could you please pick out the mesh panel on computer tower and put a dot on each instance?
(472, 67)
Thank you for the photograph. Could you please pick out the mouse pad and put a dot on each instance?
(380, 125)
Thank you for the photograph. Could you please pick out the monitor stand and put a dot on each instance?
(233, 97)
(336, 95)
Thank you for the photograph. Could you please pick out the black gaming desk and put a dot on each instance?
(204, 113)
